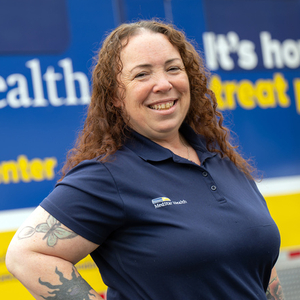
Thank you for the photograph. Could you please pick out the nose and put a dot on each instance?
(162, 84)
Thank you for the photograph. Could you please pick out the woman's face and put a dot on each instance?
(157, 94)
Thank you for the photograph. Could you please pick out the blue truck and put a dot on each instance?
(47, 50)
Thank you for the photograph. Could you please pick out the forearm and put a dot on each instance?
(52, 278)
(274, 291)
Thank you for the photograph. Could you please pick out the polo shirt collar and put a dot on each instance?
(146, 149)
(151, 151)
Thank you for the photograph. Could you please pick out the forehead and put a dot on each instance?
(148, 46)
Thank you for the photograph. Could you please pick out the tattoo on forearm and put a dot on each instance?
(74, 289)
(52, 229)
(274, 291)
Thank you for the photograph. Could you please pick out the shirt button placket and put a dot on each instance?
(213, 187)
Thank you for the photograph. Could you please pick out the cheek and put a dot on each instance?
(137, 95)
(183, 84)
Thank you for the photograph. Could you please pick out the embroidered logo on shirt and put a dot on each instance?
(164, 201)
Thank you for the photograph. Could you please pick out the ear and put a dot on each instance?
(117, 102)
(118, 98)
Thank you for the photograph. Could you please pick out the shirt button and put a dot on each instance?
(204, 174)
(213, 187)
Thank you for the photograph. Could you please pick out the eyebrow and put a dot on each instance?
(149, 65)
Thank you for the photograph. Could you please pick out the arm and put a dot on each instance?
(274, 290)
(42, 256)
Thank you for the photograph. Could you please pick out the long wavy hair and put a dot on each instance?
(105, 126)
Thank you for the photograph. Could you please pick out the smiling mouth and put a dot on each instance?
(163, 106)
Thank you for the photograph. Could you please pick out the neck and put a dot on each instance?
(177, 144)
(186, 145)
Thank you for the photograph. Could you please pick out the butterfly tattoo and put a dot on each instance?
(52, 229)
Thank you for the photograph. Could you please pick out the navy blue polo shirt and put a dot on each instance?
(168, 228)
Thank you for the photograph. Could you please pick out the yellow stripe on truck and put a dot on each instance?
(285, 210)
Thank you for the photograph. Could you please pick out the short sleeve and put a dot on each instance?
(87, 201)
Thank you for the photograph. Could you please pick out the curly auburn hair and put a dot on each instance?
(105, 126)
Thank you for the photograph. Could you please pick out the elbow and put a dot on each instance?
(15, 259)
(11, 260)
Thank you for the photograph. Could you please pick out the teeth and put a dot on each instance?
(162, 106)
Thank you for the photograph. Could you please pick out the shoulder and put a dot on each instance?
(87, 177)
(85, 170)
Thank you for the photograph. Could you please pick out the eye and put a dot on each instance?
(140, 75)
(174, 69)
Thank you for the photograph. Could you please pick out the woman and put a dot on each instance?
(153, 190)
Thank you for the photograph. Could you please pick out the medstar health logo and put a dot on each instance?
(164, 201)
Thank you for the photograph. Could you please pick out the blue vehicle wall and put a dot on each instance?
(46, 56)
